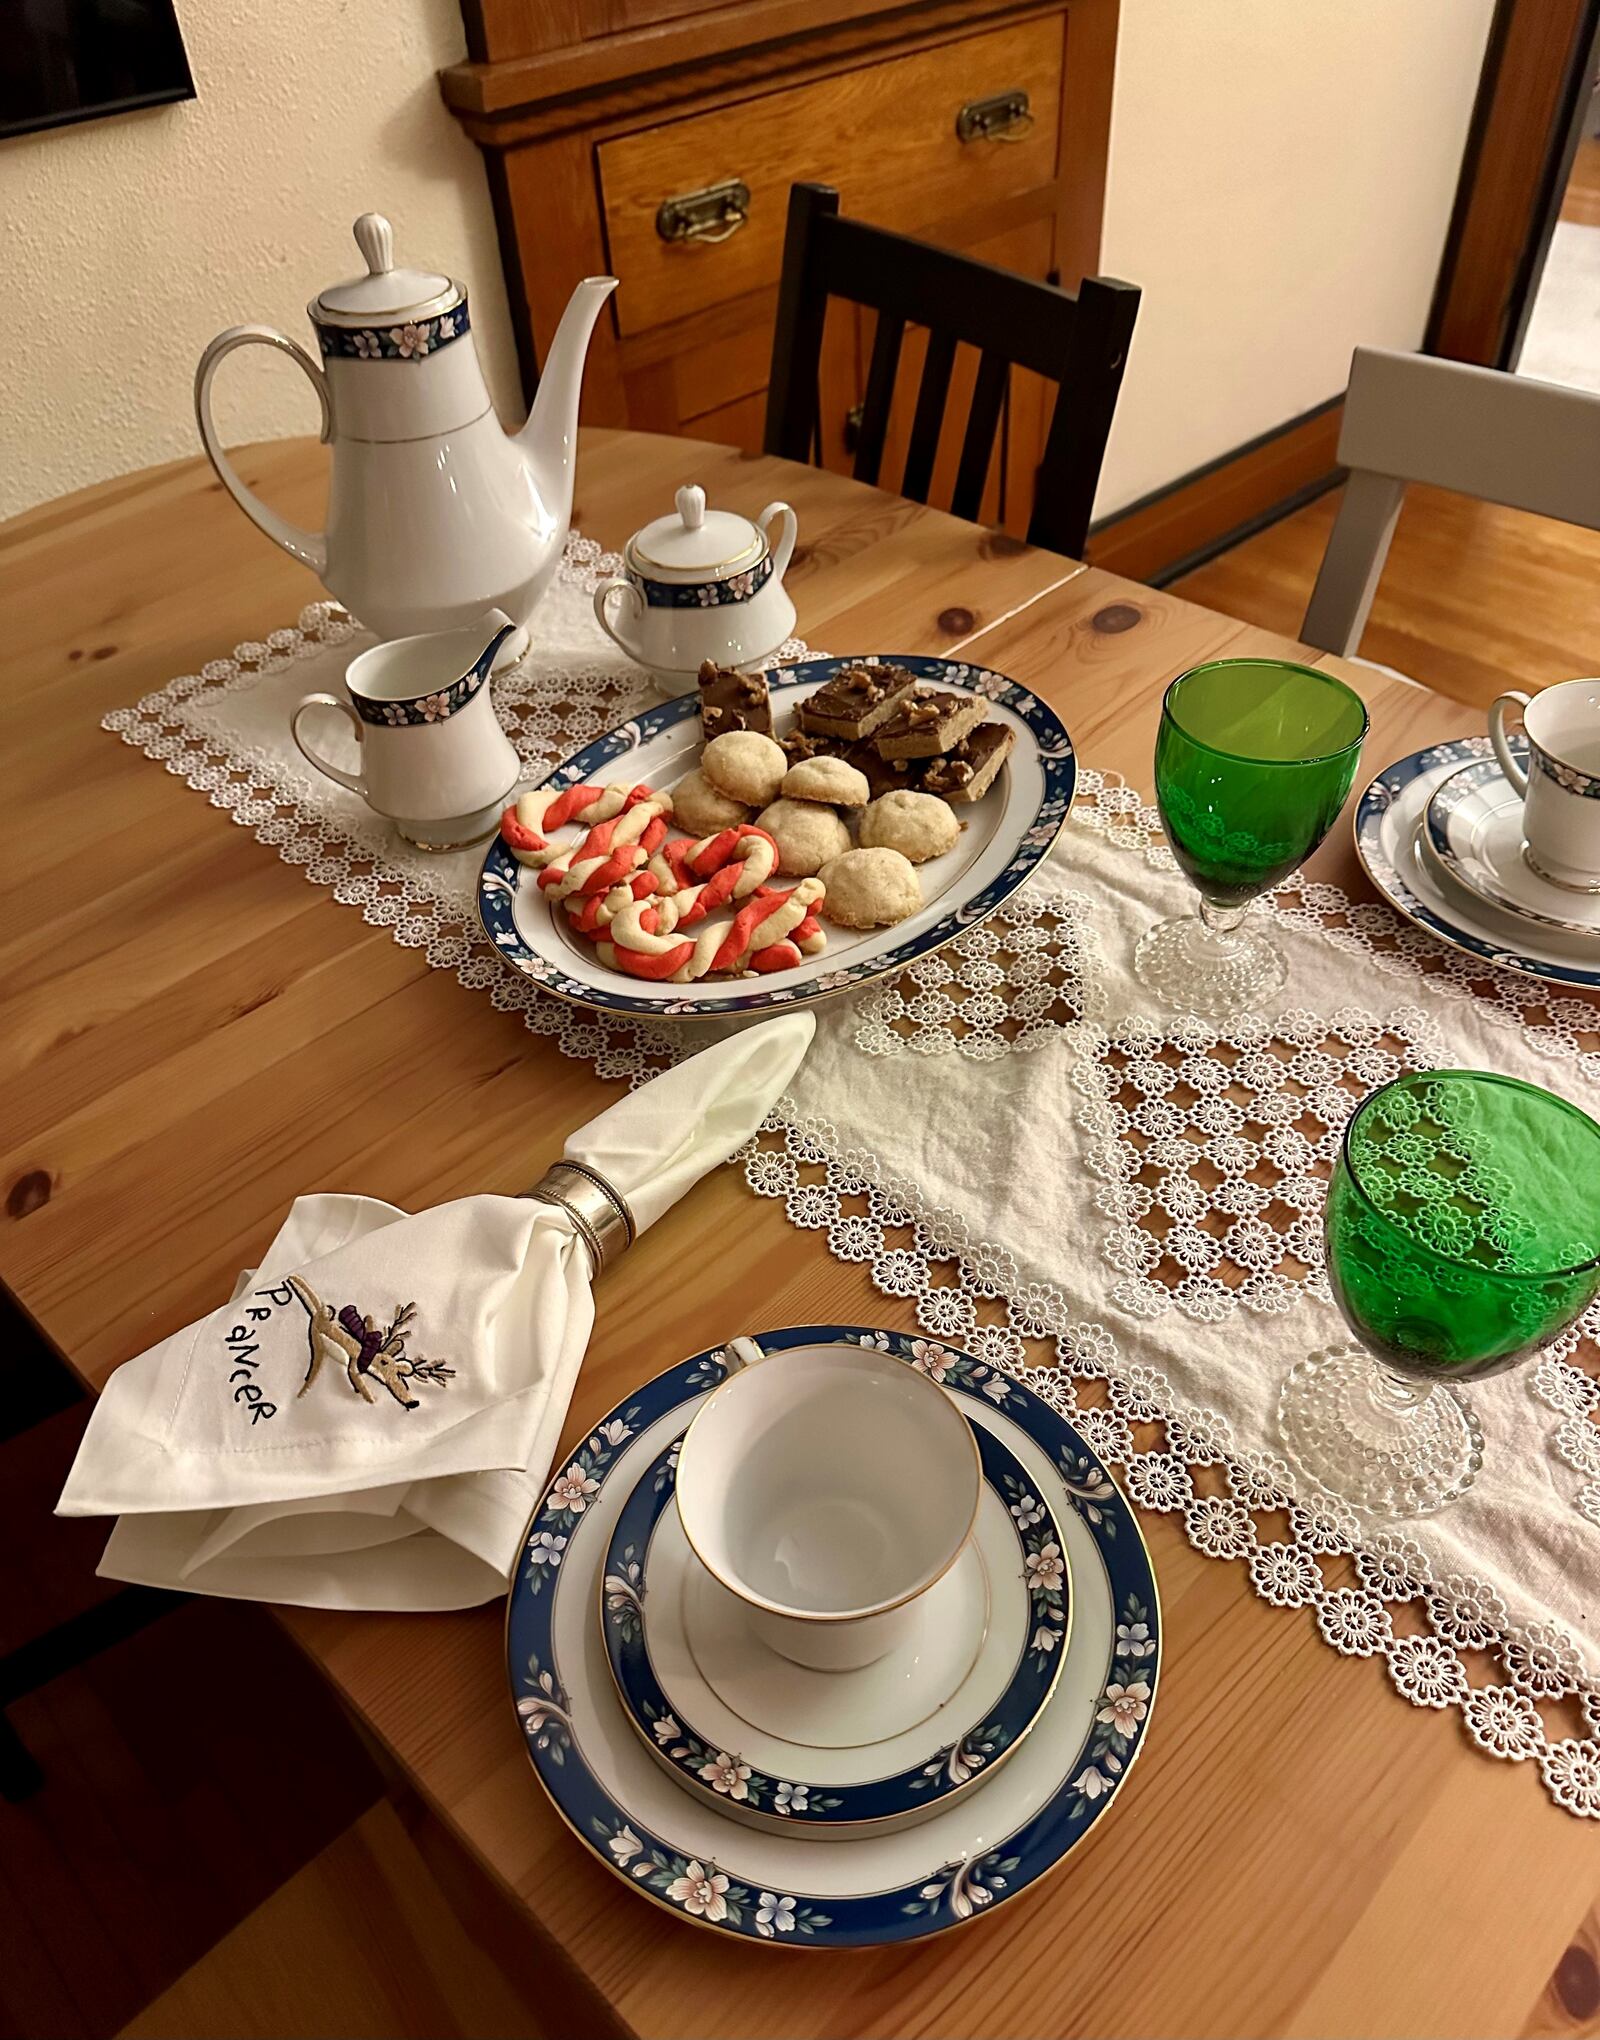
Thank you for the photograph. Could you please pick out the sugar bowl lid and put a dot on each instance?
(384, 292)
(696, 544)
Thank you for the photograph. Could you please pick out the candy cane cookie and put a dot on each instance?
(612, 851)
(750, 852)
(523, 824)
(641, 945)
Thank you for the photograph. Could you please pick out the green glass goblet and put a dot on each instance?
(1254, 759)
(1463, 1234)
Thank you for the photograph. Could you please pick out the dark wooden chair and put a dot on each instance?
(1080, 343)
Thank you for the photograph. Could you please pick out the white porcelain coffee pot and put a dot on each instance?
(435, 512)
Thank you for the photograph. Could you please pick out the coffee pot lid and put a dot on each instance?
(384, 292)
(697, 542)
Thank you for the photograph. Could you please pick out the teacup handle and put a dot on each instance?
(739, 1354)
(783, 551)
(355, 784)
(1497, 737)
(602, 598)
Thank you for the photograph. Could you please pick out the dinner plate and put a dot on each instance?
(1389, 840)
(781, 1745)
(1004, 837)
(978, 1852)
(1473, 828)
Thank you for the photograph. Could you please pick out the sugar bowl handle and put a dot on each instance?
(603, 612)
(783, 551)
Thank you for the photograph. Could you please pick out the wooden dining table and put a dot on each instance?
(195, 1035)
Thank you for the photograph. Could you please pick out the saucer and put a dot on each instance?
(980, 1850)
(1389, 839)
(1473, 827)
(781, 1745)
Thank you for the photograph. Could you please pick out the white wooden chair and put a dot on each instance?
(1478, 431)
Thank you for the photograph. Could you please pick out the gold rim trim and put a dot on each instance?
(804, 1947)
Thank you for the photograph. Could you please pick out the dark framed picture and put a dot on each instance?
(67, 60)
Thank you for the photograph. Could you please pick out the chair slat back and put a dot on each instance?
(1078, 342)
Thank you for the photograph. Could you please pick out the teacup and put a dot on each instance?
(827, 1489)
(1561, 787)
(433, 757)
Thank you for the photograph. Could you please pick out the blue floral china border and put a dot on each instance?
(1371, 809)
(625, 1586)
(501, 875)
(405, 340)
(703, 594)
(936, 1900)
(1570, 778)
(1446, 798)
(437, 707)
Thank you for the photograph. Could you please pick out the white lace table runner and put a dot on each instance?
(1121, 1207)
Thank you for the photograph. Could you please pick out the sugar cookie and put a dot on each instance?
(870, 889)
(826, 779)
(745, 766)
(806, 834)
(704, 808)
(918, 825)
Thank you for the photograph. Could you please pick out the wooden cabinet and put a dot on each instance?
(593, 114)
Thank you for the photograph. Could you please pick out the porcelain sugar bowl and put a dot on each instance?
(701, 584)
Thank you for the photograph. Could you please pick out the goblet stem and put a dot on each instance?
(1392, 1446)
(1209, 962)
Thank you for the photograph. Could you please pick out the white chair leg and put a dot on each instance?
(1353, 563)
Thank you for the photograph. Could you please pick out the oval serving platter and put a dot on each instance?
(1006, 835)
(978, 1852)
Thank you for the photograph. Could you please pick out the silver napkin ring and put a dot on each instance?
(601, 1214)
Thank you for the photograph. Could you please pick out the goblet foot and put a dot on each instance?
(1206, 966)
(1364, 1434)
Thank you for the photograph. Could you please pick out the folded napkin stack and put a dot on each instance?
(369, 1422)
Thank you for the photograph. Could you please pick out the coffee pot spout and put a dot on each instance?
(549, 438)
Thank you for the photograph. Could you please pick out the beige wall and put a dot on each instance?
(1281, 177)
(1281, 174)
(133, 240)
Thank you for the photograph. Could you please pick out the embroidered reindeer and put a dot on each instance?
(365, 1352)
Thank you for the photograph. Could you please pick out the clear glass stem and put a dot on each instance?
(1392, 1446)
(1223, 920)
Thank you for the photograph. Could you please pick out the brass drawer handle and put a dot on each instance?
(705, 216)
(1004, 118)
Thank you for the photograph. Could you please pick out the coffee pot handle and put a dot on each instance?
(309, 547)
(352, 780)
(1497, 737)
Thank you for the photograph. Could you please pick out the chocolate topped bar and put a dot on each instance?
(733, 701)
(930, 723)
(967, 770)
(856, 701)
(881, 776)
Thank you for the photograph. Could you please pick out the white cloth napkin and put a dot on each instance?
(368, 1423)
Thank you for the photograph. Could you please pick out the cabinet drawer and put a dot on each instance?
(885, 135)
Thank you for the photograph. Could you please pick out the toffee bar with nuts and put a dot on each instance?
(968, 769)
(930, 724)
(856, 701)
(731, 700)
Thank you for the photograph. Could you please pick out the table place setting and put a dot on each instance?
(1210, 1190)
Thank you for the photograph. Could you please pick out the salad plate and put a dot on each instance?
(779, 1744)
(1391, 842)
(1004, 836)
(1473, 825)
(974, 1854)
